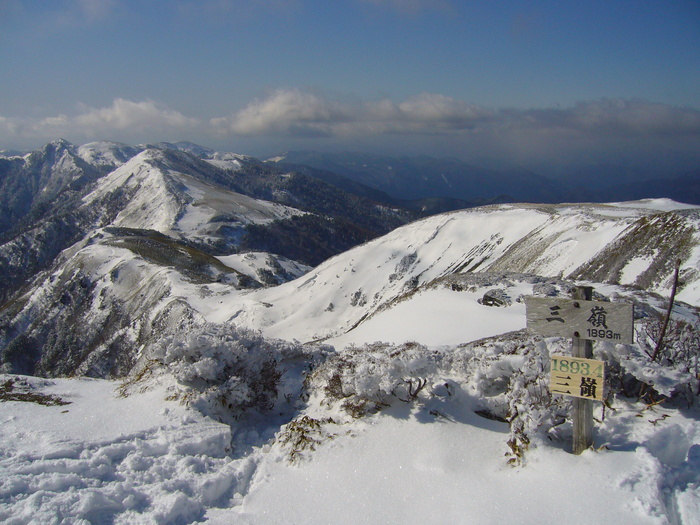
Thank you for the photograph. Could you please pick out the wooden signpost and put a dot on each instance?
(580, 376)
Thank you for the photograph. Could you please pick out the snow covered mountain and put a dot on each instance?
(235, 363)
(633, 244)
(148, 267)
(84, 218)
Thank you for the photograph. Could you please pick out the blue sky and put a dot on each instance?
(522, 82)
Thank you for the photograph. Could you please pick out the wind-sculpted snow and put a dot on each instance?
(138, 458)
(135, 459)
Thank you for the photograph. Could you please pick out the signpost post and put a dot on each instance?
(580, 376)
(582, 408)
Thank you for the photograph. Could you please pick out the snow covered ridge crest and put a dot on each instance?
(128, 283)
(632, 244)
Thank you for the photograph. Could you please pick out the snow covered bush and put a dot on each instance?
(507, 378)
(227, 372)
(303, 435)
(502, 378)
(675, 373)
(365, 379)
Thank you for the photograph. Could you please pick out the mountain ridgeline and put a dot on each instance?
(422, 176)
(57, 195)
(106, 248)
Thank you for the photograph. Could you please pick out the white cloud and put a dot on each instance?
(443, 111)
(128, 115)
(295, 113)
(427, 121)
(288, 112)
(611, 117)
(605, 129)
(123, 118)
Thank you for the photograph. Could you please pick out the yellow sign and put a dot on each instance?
(577, 377)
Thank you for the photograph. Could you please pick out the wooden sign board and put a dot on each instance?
(593, 320)
(577, 377)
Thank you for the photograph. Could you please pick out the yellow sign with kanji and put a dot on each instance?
(577, 377)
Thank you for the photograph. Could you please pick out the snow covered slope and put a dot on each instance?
(597, 243)
(172, 196)
(129, 254)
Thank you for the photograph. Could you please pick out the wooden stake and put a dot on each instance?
(582, 408)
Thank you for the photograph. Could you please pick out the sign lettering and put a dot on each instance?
(577, 377)
(595, 320)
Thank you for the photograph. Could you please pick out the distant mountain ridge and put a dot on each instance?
(422, 176)
(52, 197)
(107, 231)
(634, 244)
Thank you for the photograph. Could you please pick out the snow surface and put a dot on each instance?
(400, 470)
(106, 154)
(133, 453)
(104, 458)
(173, 202)
(251, 263)
(141, 458)
(437, 318)
(656, 204)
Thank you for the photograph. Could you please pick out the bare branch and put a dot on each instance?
(660, 341)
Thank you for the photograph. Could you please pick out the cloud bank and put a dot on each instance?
(293, 112)
(427, 118)
(123, 117)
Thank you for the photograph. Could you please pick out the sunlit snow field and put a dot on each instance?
(152, 461)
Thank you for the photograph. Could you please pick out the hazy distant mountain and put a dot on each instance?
(420, 177)
(683, 188)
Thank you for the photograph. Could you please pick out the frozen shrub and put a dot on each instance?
(303, 435)
(228, 372)
(674, 373)
(508, 380)
(363, 379)
(496, 297)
